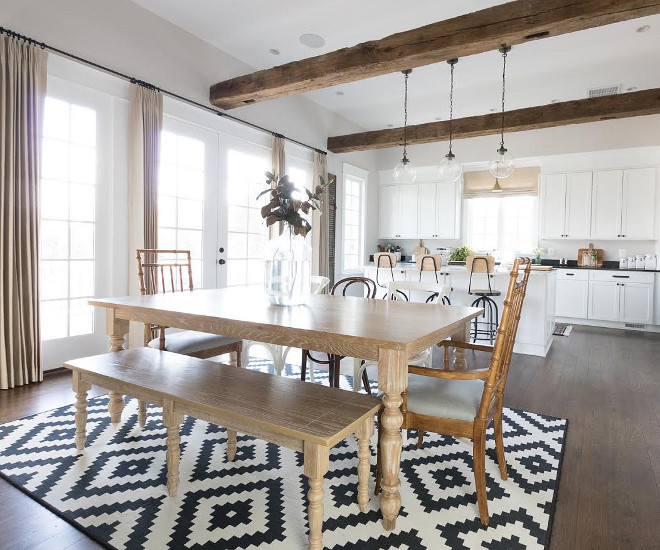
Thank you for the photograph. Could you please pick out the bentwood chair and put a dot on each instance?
(486, 329)
(463, 403)
(430, 293)
(161, 271)
(368, 288)
(385, 263)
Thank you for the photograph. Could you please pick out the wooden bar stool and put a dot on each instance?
(433, 263)
(385, 263)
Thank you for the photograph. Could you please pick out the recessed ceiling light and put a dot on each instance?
(274, 51)
(631, 89)
(555, 101)
(493, 110)
(390, 125)
(438, 118)
(644, 28)
(339, 92)
(312, 40)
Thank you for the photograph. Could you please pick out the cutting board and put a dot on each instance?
(591, 249)
(420, 250)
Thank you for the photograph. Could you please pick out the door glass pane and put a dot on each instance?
(67, 230)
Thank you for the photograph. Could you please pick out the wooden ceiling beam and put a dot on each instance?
(645, 102)
(512, 23)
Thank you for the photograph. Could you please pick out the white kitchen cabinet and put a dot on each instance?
(398, 212)
(624, 296)
(427, 210)
(439, 208)
(623, 204)
(572, 293)
(566, 200)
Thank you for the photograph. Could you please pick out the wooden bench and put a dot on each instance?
(298, 415)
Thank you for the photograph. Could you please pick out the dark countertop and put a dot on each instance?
(608, 265)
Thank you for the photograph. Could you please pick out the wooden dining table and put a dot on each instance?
(381, 330)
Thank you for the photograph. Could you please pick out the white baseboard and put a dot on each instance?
(532, 349)
(606, 324)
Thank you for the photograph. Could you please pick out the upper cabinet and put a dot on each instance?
(623, 204)
(439, 208)
(566, 206)
(398, 212)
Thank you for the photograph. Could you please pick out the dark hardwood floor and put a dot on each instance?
(606, 382)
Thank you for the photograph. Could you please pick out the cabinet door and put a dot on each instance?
(606, 204)
(447, 197)
(553, 206)
(572, 299)
(636, 303)
(408, 196)
(604, 300)
(427, 211)
(638, 204)
(389, 212)
(578, 205)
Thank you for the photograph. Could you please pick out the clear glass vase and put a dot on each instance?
(288, 269)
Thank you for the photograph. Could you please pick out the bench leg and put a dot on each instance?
(115, 406)
(142, 413)
(316, 466)
(81, 388)
(172, 421)
(364, 433)
(231, 445)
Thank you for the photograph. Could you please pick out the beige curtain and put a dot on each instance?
(22, 94)
(523, 181)
(145, 126)
(279, 169)
(320, 222)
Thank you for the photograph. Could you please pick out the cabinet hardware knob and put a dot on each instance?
(222, 262)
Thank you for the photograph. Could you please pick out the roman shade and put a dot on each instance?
(523, 181)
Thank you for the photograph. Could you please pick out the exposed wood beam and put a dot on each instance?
(478, 32)
(646, 102)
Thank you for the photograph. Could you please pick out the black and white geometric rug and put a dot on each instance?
(116, 491)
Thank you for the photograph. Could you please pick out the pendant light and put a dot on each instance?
(450, 169)
(404, 171)
(503, 164)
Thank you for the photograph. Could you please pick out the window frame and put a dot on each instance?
(362, 177)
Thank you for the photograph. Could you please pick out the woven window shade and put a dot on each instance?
(523, 181)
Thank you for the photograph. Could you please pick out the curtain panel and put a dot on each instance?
(145, 126)
(23, 81)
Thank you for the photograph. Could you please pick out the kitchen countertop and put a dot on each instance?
(608, 265)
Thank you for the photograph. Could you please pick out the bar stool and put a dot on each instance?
(433, 263)
(486, 329)
(385, 263)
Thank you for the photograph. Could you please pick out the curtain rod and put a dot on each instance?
(139, 82)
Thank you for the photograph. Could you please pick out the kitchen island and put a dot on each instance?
(537, 320)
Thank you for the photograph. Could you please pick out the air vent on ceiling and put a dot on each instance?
(604, 90)
(635, 325)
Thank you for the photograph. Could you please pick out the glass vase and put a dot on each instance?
(288, 269)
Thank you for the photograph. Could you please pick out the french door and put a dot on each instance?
(75, 192)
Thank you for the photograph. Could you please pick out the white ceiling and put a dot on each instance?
(559, 68)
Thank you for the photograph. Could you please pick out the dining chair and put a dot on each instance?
(428, 292)
(368, 288)
(463, 403)
(162, 271)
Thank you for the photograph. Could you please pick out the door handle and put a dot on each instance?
(222, 262)
(221, 249)
(621, 276)
(570, 274)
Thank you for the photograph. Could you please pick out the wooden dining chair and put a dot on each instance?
(368, 288)
(463, 403)
(161, 271)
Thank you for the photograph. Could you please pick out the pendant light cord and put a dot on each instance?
(504, 51)
(451, 62)
(405, 112)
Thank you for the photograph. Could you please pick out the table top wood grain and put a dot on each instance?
(350, 326)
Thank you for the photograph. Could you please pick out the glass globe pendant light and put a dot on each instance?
(503, 164)
(450, 169)
(404, 171)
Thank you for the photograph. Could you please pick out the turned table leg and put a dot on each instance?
(142, 413)
(392, 381)
(116, 329)
(81, 388)
(461, 335)
(363, 434)
(172, 421)
(231, 445)
(316, 459)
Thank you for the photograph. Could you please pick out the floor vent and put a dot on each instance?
(635, 325)
(605, 90)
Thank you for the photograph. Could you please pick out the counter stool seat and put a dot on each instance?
(486, 292)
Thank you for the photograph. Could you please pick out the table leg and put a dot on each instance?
(116, 329)
(461, 335)
(363, 433)
(81, 388)
(392, 381)
(316, 458)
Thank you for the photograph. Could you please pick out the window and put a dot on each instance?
(246, 229)
(181, 181)
(68, 230)
(353, 234)
(507, 224)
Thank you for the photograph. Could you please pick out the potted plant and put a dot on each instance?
(460, 254)
(288, 257)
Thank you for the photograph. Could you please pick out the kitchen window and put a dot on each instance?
(355, 180)
(506, 224)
